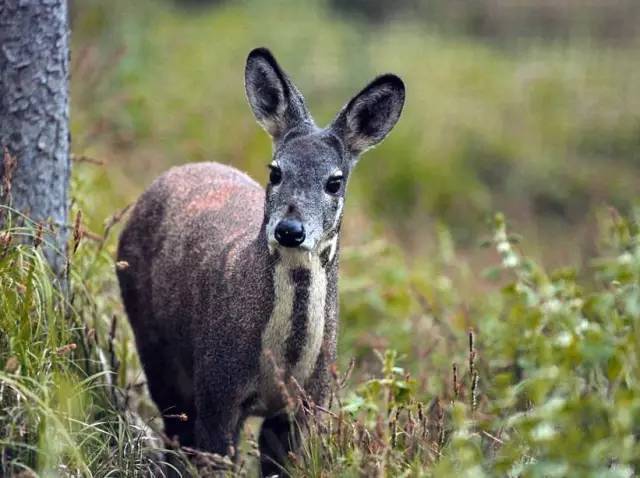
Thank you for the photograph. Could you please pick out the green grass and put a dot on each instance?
(59, 412)
(540, 377)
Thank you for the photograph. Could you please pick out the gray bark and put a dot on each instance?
(34, 110)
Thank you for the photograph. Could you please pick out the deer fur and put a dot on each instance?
(223, 313)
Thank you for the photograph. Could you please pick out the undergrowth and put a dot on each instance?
(541, 378)
(62, 410)
(550, 385)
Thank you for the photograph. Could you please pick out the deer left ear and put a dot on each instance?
(371, 114)
(276, 102)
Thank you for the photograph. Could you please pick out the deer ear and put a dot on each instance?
(276, 102)
(371, 114)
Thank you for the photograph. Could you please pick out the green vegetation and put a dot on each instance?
(58, 413)
(515, 359)
(543, 131)
(539, 378)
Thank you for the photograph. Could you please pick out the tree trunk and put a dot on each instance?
(34, 112)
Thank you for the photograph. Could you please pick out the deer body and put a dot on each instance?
(231, 290)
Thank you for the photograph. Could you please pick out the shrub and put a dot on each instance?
(550, 387)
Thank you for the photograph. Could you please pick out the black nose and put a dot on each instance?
(290, 233)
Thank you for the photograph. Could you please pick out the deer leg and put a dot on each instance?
(174, 397)
(279, 435)
(217, 431)
(219, 409)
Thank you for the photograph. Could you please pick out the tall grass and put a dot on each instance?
(61, 413)
(538, 378)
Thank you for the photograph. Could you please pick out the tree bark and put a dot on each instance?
(34, 112)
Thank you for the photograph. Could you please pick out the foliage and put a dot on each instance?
(61, 412)
(551, 386)
(546, 383)
(535, 129)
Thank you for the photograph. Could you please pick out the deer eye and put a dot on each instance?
(333, 184)
(275, 175)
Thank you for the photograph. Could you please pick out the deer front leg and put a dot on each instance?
(217, 431)
(219, 412)
(283, 433)
(279, 435)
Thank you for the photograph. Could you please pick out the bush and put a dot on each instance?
(550, 385)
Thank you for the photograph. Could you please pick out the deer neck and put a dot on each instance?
(294, 333)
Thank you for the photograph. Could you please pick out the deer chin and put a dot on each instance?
(324, 249)
(308, 247)
(299, 255)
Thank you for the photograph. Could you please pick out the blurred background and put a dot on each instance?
(529, 107)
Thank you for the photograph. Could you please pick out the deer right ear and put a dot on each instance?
(371, 114)
(276, 102)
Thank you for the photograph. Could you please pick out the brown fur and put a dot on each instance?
(213, 292)
(198, 326)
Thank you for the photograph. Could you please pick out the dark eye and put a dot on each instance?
(333, 184)
(275, 176)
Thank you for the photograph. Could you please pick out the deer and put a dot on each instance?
(231, 289)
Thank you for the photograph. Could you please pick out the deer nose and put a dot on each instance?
(290, 233)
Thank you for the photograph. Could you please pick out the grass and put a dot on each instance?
(515, 359)
(539, 378)
(59, 412)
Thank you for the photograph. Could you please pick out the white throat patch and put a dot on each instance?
(279, 328)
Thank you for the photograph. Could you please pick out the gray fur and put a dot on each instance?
(223, 314)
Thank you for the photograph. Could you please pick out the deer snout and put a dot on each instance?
(290, 233)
